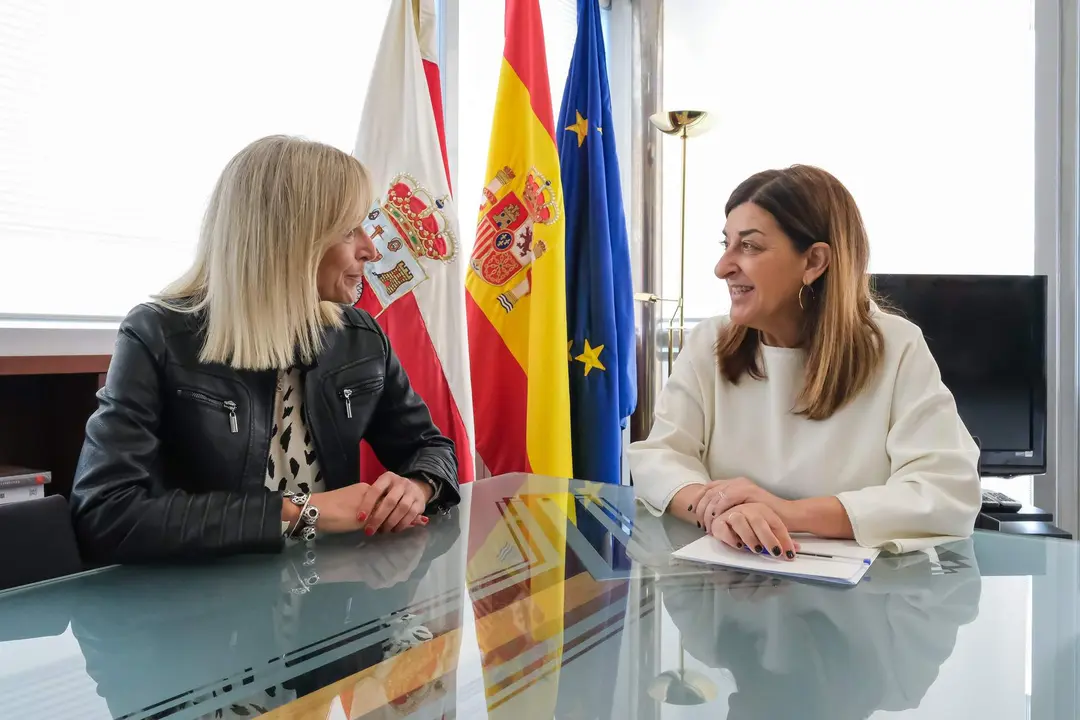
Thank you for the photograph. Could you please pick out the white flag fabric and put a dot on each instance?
(416, 288)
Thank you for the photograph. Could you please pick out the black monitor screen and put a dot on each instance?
(988, 336)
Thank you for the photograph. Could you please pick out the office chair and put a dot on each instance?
(38, 540)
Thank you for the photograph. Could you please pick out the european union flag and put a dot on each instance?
(599, 290)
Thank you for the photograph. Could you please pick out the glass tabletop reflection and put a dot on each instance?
(547, 598)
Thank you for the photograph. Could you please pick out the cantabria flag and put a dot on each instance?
(415, 289)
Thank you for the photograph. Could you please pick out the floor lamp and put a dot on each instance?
(685, 124)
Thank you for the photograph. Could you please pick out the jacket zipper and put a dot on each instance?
(348, 392)
(227, 405)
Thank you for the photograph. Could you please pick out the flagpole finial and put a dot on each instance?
(686, 123)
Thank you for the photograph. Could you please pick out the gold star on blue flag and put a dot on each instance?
(591, 357)
(580, 128)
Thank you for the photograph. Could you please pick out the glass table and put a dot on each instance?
(542, 598)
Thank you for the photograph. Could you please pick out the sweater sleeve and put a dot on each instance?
(933, 493)
(672, 457)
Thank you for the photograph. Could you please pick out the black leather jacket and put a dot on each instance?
(174, 461)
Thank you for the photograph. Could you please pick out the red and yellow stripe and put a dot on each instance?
(521, 392)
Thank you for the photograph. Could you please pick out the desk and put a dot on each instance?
(503, 609)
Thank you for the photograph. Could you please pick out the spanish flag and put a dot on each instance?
(516, 280)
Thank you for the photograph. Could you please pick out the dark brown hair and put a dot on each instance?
(844, 345)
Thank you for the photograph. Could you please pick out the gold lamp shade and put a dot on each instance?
(686, 123)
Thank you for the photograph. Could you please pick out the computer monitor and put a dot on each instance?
(988, 336)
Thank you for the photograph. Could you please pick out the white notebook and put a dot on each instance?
(848, 562)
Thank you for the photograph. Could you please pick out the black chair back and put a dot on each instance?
(37, 542)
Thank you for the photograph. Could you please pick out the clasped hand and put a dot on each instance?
(390, 504)
(740, 514)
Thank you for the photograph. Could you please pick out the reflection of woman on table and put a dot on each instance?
(803, 651)
(260, 618)
(808, 408)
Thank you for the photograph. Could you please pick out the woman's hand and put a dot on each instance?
(337, 508)
(353, 507)
(756, 527)
(393, 504)
(722, 495)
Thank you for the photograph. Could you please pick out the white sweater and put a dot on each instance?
(897, 456)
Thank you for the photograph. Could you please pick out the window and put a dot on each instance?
(923, 108)
(480, 53)
(116, 118)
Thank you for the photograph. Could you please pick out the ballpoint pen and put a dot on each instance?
(832, 557)
(800, 553)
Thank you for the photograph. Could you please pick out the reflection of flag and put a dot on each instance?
(599, 301)
(516, 283)
(415, 288)
(515, 574)
(592, 639)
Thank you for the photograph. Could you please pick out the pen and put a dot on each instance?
(831, 557)
(866, 561)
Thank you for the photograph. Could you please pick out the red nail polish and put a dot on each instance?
(424, 520)
(370, 531)
(361, 516)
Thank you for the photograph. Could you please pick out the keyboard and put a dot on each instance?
(995, 502)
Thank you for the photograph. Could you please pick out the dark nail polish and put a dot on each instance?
(690, 509)
(698, 524)
(776, 551)
(758, 549)
(739, 546)
(790, 555)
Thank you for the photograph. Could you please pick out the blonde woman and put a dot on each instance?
(808, 408)
(236, 401)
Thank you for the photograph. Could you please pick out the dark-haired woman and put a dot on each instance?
(807, 408)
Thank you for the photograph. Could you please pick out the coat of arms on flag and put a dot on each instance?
(407, 226)
(505, 244)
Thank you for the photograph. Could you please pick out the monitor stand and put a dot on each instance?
(1027, 520)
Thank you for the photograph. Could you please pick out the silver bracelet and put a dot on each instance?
(309, 515)
(292, 497)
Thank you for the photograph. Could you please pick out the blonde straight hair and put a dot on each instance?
(279, 204)
(844, 345)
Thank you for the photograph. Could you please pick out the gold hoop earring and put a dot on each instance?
(804, 287)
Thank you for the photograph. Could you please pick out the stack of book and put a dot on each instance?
(18, 484)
